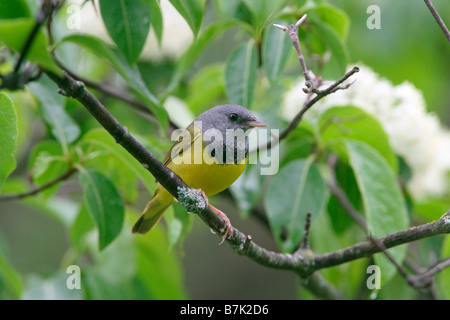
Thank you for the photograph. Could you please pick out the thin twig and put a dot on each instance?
(307, 105)
(292, 31)
(305, 242)
(438, 19)
(40, 20)
(37, 190)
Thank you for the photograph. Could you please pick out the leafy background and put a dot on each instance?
(238, 57)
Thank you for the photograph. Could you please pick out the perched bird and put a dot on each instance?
(210, 154)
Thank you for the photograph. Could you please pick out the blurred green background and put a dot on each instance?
(408, 47)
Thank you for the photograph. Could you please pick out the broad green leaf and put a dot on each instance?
(334, 16)
(158, 267)
(324, 35)
(130, 73)
(52, 107)
(15, 32)
(104, 204)
(102, 141)
(82, 224)
(443, 278)
(10, 279)
(117, 262)
(8, 137)
(11, 9)
(226, 9)
(384, 205)
(206, 88)
(276, 47)
(297, 189)
(299, 143)
(431, 209)
(263, 11)
(128, 24)
(47, 162)
(188, 58)
(248, 188)
(191, 11)
(241, 73)
(346, 180)
(179, 224)
(340, 123)
(157, 20)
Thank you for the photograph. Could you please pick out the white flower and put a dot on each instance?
(176, 36)
(414, 134)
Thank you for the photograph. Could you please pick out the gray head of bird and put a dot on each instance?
(229, 116)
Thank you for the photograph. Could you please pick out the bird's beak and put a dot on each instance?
(256, 123)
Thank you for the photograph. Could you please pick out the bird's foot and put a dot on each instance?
(228, 229)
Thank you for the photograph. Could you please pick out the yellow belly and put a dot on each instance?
(211, 178)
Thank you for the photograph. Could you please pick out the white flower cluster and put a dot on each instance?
(414, 134)
(176, 36)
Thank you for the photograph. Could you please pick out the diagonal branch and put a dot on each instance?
(37, 190)
(438, 19)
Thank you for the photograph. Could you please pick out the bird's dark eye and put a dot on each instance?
(233, 117)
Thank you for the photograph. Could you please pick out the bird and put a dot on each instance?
(209, 155)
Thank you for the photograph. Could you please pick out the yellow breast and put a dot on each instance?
(208, 175)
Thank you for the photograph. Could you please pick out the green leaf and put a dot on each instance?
(12, 9)
(158, 267)
(189, 57)
(263, 11)
(99, 139)
(130, 73)
(157, 20)
(330, 39)
(241, 73)
(10, 279)
(52, 108)
(46, 163)
(340, 123)
(297, 189)
(333, 16)
(8, 137)
(384, 205)
(128, 24)
(346, 180)
(226, 9)
(82, 224)
(206, 88)
(191, 11)
(276, 47)
(112, 272)
(15, 32)
(248, 188)
(443, 278)
(104, 204)
(179, 224)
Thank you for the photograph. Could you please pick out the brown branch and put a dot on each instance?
(114, 92)
(37, 190)
(438, 19)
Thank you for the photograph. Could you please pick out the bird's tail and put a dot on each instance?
(153, 212)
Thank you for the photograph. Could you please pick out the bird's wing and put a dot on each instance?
(184, 143)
